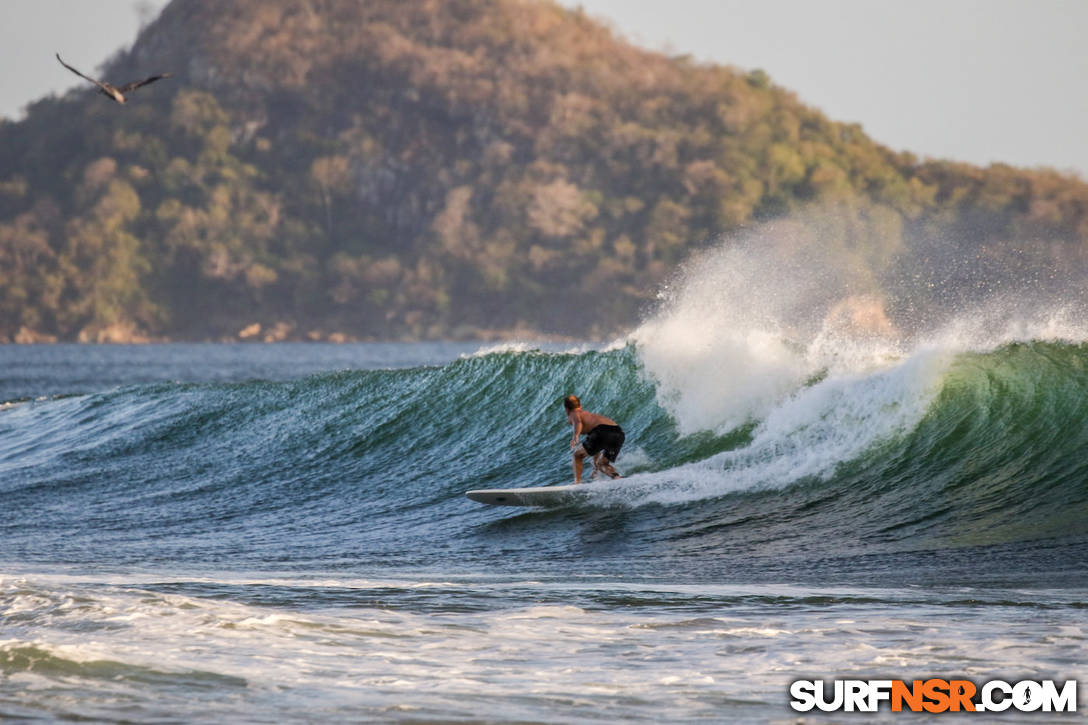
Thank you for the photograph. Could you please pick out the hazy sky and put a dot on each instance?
(974, 80)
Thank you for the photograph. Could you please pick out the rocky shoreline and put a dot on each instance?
(272, 333)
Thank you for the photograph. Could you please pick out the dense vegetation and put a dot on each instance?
(437, 168)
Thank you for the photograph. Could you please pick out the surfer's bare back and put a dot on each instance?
(116, 93)
(604, 438)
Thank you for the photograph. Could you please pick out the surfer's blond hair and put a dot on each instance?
(571, 402)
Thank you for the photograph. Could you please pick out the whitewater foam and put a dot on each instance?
(768, 331)
(807, 436)
(200, 658)
(744, 325)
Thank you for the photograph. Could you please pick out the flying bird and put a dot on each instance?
(117, 93)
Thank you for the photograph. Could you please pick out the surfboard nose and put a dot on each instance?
(547, 496)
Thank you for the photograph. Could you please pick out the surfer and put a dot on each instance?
(603, 441)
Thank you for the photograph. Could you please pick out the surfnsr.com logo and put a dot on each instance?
(933, 695)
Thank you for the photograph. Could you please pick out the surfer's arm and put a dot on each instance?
(577, 423)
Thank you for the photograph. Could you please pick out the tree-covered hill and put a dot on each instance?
(438, 168)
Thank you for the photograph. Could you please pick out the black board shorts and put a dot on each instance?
(607, 438)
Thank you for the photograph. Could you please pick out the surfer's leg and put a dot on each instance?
(601, 463)
(579, 453)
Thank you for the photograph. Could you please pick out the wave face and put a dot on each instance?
(855, 470)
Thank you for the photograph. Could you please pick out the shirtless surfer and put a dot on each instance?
(603, 439)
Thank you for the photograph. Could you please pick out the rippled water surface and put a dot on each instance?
(258, 533)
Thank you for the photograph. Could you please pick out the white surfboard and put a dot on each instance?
(550, 496)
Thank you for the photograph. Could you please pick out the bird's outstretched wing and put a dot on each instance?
(98, 83)
(136, 84)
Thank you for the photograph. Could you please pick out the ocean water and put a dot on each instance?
(278, 533)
